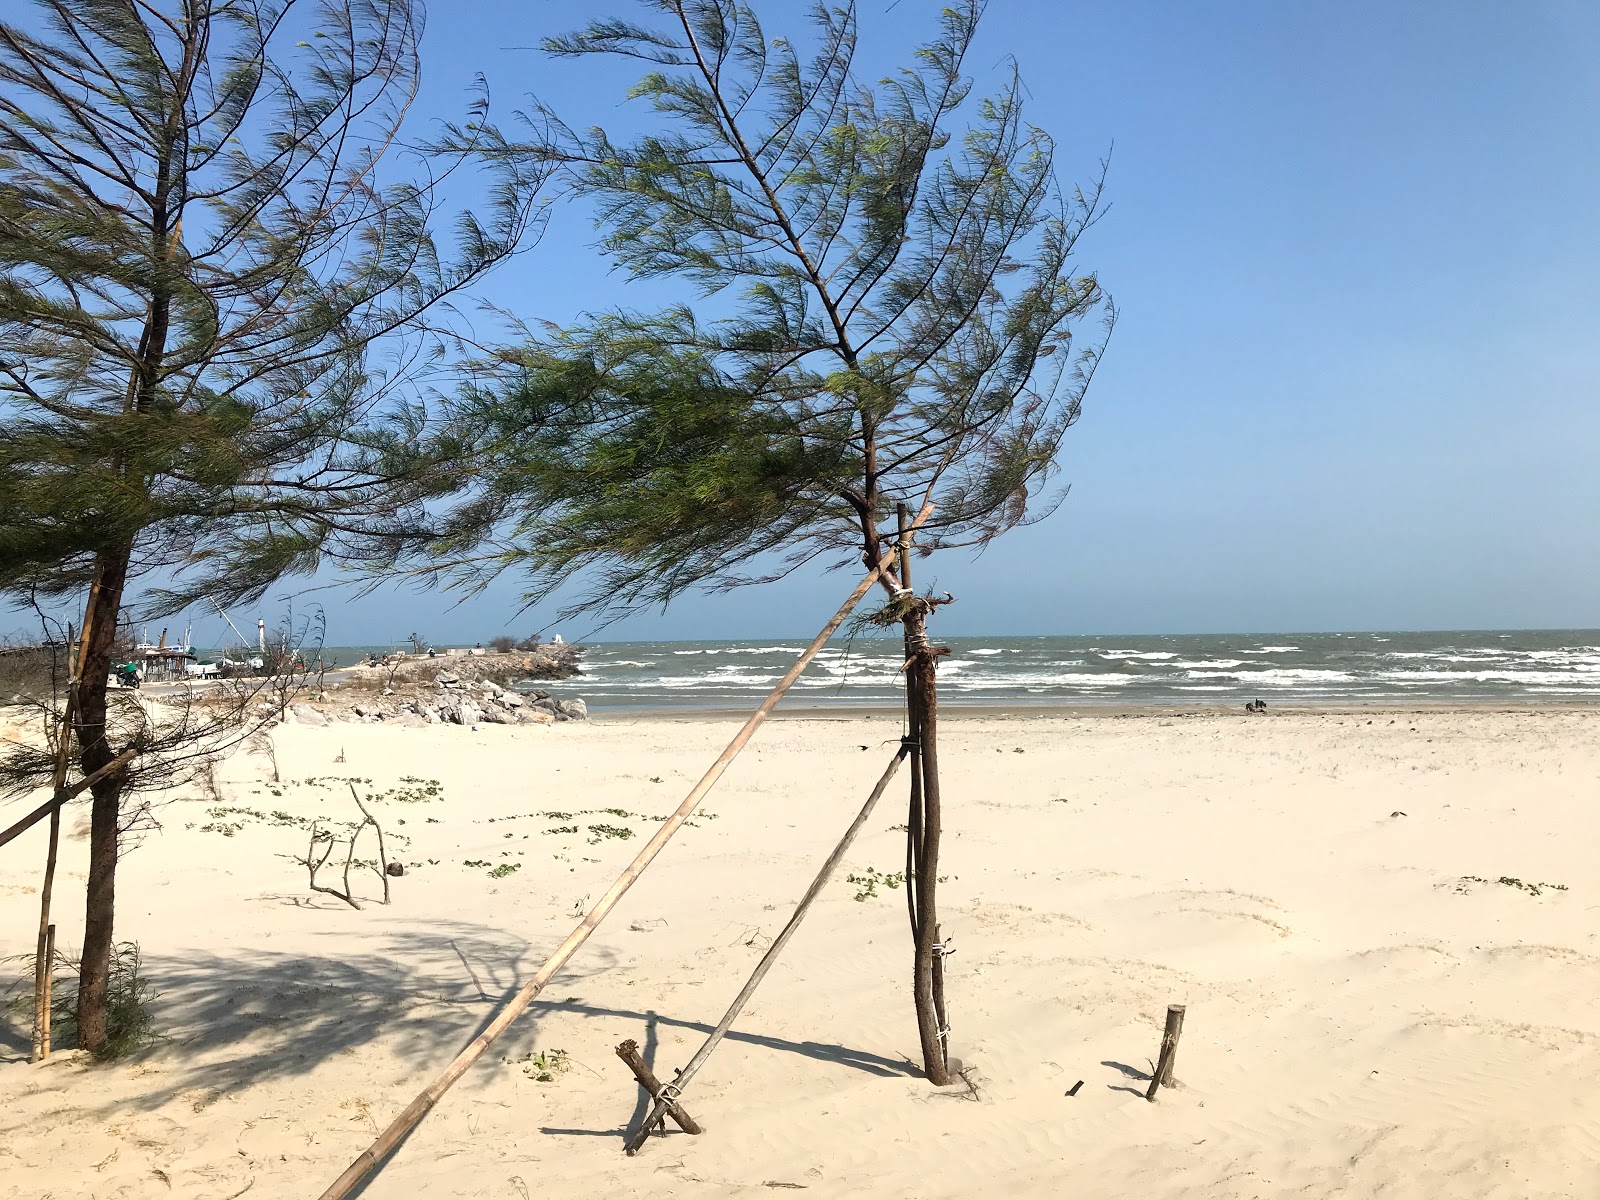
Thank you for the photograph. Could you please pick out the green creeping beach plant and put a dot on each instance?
(542, 1067)
(1463, 885)
(867, 883)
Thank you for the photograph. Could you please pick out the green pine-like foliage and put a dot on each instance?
(887, 314)
(219, 285)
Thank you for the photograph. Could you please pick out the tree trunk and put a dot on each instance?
(95, 751)
(923, 838)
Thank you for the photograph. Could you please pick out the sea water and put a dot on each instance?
(1493, 667)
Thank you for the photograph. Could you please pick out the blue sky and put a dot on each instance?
(1354, 382)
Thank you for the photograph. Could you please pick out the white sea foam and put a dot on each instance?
(1285, 677)
(1034, 683)
(1210, 665)
(1490, 676)
(1143, 655)
(1274, 650)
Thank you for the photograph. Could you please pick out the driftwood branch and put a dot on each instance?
(383, 857)
(313, 864)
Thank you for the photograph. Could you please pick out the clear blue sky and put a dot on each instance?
(1356, 254)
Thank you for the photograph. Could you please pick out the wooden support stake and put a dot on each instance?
(1162, 1075)
(824, 873)
(628, 1052)
(514, 1008)
(46, 985)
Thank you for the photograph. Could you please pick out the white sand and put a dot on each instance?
(1359, 1022)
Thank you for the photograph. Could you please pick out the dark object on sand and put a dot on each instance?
(1162, 1075)
(1073, 1090)
(1256, 706)
(396, 869)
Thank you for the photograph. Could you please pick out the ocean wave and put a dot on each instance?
(1034, 683)
(1142, 655)
(1290, 675)
(1274, 650)
(1213, 665)
(1489, 676)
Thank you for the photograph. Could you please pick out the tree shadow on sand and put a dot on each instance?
(236, 1020)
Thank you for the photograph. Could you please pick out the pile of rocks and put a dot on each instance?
(456, 701)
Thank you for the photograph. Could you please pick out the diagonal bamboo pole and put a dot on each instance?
(429, 1096)
(70, 792)
(665, 1097)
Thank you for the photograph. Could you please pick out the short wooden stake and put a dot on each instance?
(1162, 1075)
(49, 979)
(628, 1052)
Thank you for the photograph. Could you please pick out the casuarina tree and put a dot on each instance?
(886, 323)
(219, 280)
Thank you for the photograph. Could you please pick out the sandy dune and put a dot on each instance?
(1362, 1019)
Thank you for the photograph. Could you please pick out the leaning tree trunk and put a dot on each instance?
(95, 971)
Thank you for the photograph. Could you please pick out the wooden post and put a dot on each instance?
(1162, 1075)
(514, 1008)
(628, 1052)
(824, 873)
(938, 994)
(49, 984)
(42, 956)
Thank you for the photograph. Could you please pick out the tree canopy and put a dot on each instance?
(888, 309)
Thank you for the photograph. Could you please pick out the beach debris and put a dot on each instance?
(1256, 706)
(1464, 884)
(313, 862)
(1073, 1090)
(1397, 813)
(1162, 1075)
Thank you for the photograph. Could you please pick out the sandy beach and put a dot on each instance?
(1387, 992)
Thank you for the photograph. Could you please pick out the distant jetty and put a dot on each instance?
(453, 688)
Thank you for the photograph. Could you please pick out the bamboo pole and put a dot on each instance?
(49, 983)
(429, 1096)
(67, 794)
(824, 873)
